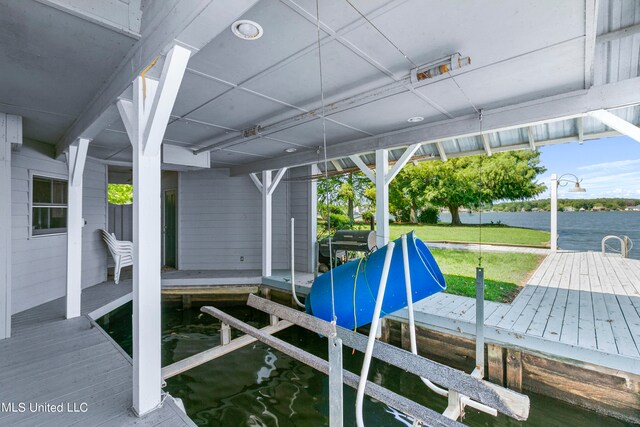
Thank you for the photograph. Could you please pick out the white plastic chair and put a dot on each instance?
(121, 250)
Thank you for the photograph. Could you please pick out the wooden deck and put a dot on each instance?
(52, 360)
(578, 305)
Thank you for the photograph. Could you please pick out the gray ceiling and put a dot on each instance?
(55, 63)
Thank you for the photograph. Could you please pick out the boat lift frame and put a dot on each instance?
(505, 401)
(463, 389)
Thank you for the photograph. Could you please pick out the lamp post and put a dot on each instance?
(555, 183)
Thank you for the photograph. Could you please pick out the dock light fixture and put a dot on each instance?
(439, 67)
(415, 119)
(247, 30)
(555, 183)
(290, 150)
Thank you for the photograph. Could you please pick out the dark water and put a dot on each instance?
(576, 230)
(258, 386)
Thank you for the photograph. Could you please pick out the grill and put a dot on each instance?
(347, 240)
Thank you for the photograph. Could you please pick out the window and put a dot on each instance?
(48, 206)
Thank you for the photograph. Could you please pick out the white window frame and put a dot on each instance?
(40, 174)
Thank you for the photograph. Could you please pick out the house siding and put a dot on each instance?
(303, 209)
(33, 286)
(220, 221)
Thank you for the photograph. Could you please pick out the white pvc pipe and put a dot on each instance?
(364, 373)
(412, 322)
(293, 264)
(465, 400)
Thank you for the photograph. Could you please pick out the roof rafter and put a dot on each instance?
(554, 108)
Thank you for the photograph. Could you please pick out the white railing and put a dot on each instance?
(625, 245)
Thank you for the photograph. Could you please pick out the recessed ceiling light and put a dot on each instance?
(291, 150)
(415, 119)
(247, 30)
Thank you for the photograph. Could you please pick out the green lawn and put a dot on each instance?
(504, 272)
(471, 233)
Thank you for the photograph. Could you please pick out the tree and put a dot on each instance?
(120, 194)
(346, 190)
(477, 180)
(407, 194)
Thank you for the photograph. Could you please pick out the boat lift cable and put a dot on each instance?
(326, 161)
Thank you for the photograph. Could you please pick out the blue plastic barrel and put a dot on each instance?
(355, 298)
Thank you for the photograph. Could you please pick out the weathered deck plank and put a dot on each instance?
(577, 305)
(571, 319)
(54, 361)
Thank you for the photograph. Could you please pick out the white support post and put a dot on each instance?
(395, 170)
(145, 120)
(363, 167)
(277, 180)
(312, 216)
(382, 198)
(267, 224)
(5, 220)
(382, 178)
(554, 212)
(76, 157)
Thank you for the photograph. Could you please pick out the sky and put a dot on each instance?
(608, 167)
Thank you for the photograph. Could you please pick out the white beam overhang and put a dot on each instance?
(617, 123)
(190, 23)
(554, 108)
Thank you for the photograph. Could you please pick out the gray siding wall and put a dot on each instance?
(220, 221)
(121, 222)
(39, 263)
(94, 212)
(303, 209)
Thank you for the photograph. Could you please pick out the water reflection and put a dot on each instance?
(258, 386)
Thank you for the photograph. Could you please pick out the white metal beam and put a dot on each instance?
(77, 156)
(617, 123)
(618, 34)
(277, 180)
(532, 141)
(363, 167)
(590, 31)
(256, 181)
(408, 153)
(382, 198)
(544, 110)
(441, 152)
(267, 224)
(5, 225)
(192, 23)
(76, 159)
(554, 212)
(146, 139)
(486, 144)
(312, 216)
(336, 164)
(172, 73)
